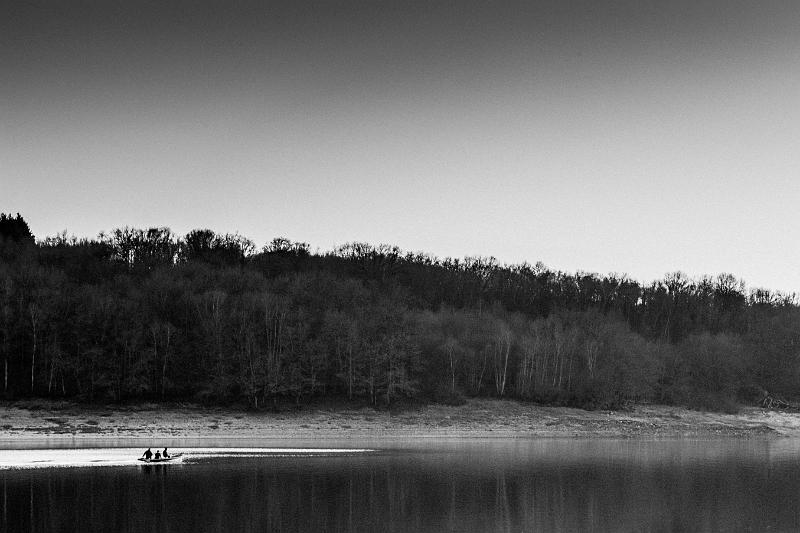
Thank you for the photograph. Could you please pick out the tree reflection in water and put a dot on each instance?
(473, 490)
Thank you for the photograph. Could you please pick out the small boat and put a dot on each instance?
(161, 459)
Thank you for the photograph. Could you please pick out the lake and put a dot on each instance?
(458, 485)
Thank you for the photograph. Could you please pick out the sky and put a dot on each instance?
(635, 137)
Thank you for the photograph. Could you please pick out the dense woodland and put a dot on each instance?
(148, 315)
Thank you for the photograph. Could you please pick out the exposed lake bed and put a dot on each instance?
(474, 419)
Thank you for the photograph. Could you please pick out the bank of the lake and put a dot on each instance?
(474, 419)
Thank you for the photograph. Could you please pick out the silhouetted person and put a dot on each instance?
(158, 456)
(165, 455)
(148, 454)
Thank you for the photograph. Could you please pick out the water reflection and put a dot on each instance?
(459, 486)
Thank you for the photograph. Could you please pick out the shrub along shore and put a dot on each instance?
(147, 316)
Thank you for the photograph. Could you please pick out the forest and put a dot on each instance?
(147, 315)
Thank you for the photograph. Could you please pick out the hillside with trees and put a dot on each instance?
(147, 315)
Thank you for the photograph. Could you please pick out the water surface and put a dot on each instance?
(458, 485)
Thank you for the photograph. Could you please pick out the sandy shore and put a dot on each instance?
(475, 419)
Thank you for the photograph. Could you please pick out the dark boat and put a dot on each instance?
(172, 457)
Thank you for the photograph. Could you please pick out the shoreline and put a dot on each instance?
(474, 420)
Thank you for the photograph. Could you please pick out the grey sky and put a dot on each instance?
(638, 137)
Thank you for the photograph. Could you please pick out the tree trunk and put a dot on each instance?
(168, 333)
(483, 369)
(152, 373)
(350, 372)
(451, 353)
(52, 372)
(505, 369)
(34, 320)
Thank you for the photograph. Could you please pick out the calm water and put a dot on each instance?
(513, 485)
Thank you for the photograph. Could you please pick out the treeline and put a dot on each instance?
(145, 314)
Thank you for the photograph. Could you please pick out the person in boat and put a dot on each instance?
(165, 455)
(158, 455)
(147, 455)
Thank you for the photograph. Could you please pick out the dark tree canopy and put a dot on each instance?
(145, 314)
(15, 229)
